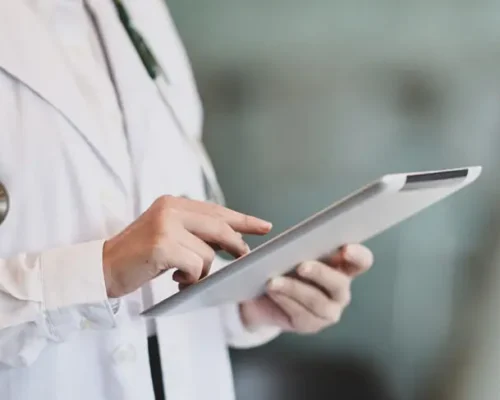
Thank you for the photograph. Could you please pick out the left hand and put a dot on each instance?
(312, 298)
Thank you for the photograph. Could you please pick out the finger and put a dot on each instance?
(185, 279)
(353, 259)
(215, 232)
(240, 222)
(307, 295)
(199, 247)
(181, 278)
(336, 284)
(300, 319)
(216, 247)
(185, 260)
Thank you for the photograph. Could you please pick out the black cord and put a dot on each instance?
(147, 57)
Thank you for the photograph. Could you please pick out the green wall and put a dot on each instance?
(306, 101)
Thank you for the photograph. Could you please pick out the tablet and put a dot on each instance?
(355, 219)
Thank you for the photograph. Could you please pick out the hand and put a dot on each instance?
(174, 233)
(312, 298)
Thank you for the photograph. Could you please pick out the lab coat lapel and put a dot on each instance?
(159, 31)
(135, 90)
(129, 76)
(30, 54)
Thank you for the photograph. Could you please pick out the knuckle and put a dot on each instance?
(246, 220)
(159, 229)
(195, 266)
(208, 255)
(198, 265)
(166, 220)
(165, 201)
(160, 243)
(158, 217)
(168, 213)
(197, 261)
(213, 209)
(158, 226)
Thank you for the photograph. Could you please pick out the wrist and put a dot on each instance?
(107, 266)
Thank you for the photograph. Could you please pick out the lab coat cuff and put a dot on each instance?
(73, 275)
(239, 336)
(74, 291)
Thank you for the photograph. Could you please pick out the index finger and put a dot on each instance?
(238, 221)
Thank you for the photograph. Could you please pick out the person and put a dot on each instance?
(106, 200)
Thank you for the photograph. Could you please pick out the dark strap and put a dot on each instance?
(147, 57)
(155, 365)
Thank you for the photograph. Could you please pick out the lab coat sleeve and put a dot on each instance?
(237, 335)
(44, 297)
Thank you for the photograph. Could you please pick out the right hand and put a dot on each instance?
(175, 233)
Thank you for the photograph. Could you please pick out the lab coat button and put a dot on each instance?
(125, 354)
(85, 324)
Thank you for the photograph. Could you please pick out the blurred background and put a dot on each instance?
(306, 101)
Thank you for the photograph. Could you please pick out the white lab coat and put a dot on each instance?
(59, 339)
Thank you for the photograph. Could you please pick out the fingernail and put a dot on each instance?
(245, 248)
(266, 224)
(349, 254)
(277, 283)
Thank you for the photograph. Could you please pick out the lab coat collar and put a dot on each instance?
(30, 54)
